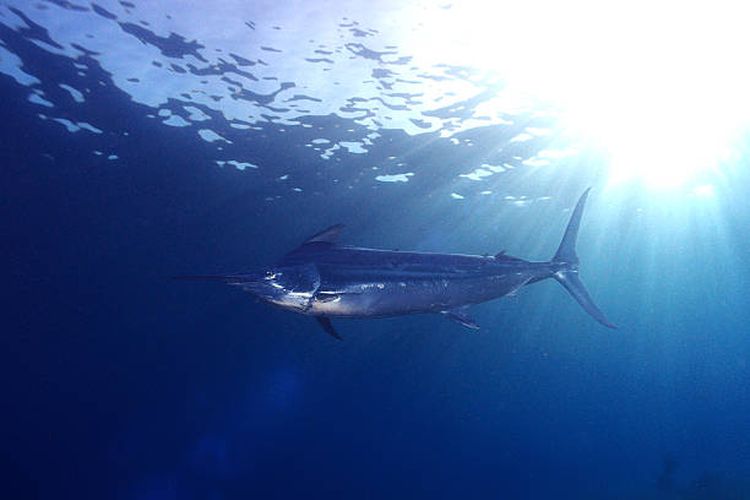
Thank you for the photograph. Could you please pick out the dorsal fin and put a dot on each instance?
(329, 235)
(319, 241)
(501, 255)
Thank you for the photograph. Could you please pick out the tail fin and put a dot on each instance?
(568, 277)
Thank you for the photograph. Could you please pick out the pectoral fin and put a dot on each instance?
(327, 326)
(460, 316)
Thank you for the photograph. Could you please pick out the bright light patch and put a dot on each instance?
(395, 177)
(704, 191)
(658, 87)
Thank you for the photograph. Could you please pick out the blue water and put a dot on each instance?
(121, 383)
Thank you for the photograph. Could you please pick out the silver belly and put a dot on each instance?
(410, 297)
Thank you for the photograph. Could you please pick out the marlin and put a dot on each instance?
(324, 279)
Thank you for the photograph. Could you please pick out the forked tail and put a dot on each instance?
(566, 256)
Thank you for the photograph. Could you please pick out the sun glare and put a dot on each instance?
(659, 87)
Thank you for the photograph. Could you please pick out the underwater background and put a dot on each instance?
(143, 140)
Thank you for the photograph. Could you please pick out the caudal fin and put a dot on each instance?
(574, 286)
(568, 275)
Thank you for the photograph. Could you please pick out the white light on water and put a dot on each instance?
(659, 87)
(704, 191)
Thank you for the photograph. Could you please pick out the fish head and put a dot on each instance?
(290, 287)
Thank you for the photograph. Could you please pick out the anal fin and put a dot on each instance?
(327, 326)
(460, 316)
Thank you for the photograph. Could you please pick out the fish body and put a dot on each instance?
(325, 279)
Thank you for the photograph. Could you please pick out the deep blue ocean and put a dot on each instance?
(134, 150)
